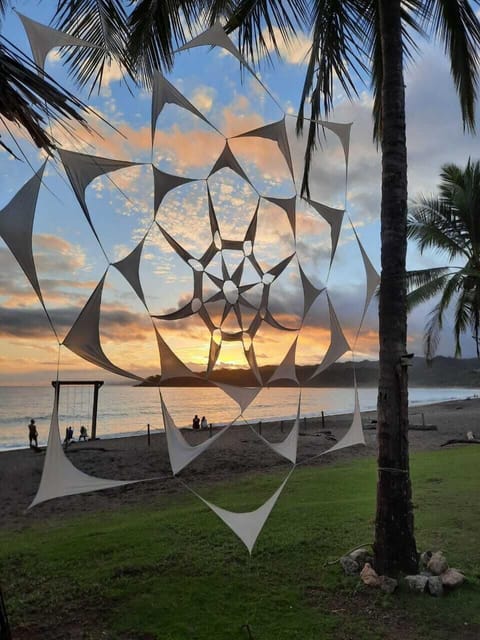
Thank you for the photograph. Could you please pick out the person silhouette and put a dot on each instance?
(196, 422)
(33, 433)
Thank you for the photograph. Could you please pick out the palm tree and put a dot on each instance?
(351, 40)
(450, 225)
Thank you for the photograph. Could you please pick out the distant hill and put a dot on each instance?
(442, 372)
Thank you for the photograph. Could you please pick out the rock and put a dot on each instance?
(425, 558)
(388, 584)
(435, 586)
(416, 583)
(369, 576)
(361, 556)
(424, 572)
(437, 563)
(452, 578)
(349, 565)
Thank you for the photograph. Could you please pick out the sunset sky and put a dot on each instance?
(70, 262)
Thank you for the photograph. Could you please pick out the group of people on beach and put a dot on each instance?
(199, 424)
(33, 434)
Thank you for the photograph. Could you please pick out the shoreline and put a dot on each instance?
(268, 422)
(238, 452)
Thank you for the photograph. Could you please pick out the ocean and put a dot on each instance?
(124, 410)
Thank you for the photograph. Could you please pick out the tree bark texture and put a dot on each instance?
(395, 548)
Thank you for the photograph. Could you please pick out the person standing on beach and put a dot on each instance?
(33, 433)
(204, 423)
(196, 422)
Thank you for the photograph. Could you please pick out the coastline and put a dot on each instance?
(239, 451)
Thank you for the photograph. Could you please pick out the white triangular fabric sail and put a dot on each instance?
(215, 36)
(355, 433)
(180, 452)
(286, 370)
(42, 39)
(163, 92)
(334, 217)
(16, 227)
(243, 396)
(277, 132)
(338, 343)
(373, 279)
(288, 205)
(252, 361)
(170, 364)
(213, 355)
(342, 131)
(82, 168)
(60, 477)
(227, 159)
(129, 268)
(248, 525)
(310, 292)
(163, 183)
(288, 447)
(84, 336)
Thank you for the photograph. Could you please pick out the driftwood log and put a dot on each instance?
(460, 441)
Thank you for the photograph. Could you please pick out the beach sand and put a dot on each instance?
(238, 452)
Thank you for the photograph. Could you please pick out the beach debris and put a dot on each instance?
(437, 563)
(452, 578)
(350, 566)
(369, 576)
(471, 435)
(460, 441)
(435, 586)
(416, 582)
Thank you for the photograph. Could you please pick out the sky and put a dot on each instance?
(70, 262)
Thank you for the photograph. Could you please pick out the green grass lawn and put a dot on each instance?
(173, 571)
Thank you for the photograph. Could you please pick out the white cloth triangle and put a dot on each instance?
(165, 182)
(355, 433)
(248, 525)
(310, 292)
(343, 133)
(277, 132)
(286, 370)
(84, 336)
(338, 343)
(180, 452)
(163, 92)
(334, 217)
(215, 36)
(129, 267)
(288, 205)
(60, 477)
(288, 447)
(227, 159)
(82, 168)
(243, 396)
(170, 364)
(16, 227)
(373, 279)
(42, 39)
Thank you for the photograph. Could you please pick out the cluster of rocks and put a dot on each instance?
(435, 575)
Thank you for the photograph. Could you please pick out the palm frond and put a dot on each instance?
(157, 29)
(103, 23)
(456, 24)
(31, 100)
(425, 284)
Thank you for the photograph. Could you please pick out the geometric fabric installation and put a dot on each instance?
(60, 477)
(233, 292)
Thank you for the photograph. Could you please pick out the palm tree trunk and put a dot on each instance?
(395, 548)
